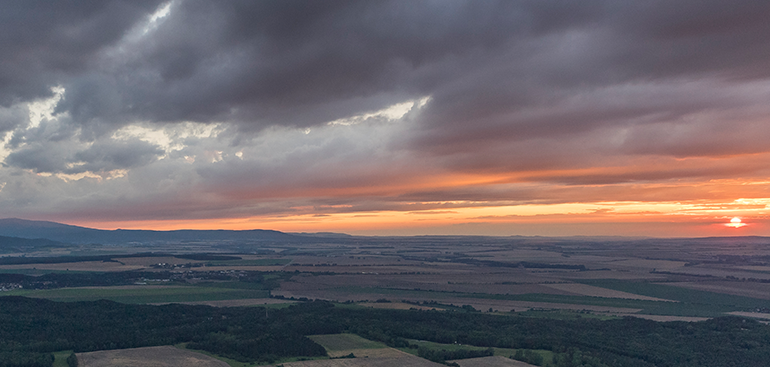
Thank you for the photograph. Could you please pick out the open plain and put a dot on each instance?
(662, 277)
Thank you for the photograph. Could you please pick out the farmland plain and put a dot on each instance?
(605, 276)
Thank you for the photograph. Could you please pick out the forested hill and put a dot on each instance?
(14, 227)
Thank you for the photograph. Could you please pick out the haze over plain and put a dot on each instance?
(392, 117)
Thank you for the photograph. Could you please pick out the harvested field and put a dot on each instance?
(746, 289)
(666, 265)
(764, 269)
(480, 276)
(589, 290)
(165, 356)
(606, 274)
(493, 361)
(78, 266)
(386, 357)
(493, 288)
(384, 269)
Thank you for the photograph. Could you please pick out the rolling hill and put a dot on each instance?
(29, 229)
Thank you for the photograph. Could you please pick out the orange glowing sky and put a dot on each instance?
(626, 213)
(588, 118)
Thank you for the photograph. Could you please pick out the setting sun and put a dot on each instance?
(735, 223)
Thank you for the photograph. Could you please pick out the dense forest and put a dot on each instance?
(31, 329)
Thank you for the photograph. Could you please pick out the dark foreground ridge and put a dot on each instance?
(31, 329)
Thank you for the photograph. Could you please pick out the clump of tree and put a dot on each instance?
(528, 356)
(72, 360)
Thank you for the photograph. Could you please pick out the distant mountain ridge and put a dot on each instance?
(30, 229)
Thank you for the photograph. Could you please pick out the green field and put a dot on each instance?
(338, 342)
(60, 358)
(139, 295)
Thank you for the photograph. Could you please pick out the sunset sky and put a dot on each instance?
(554, 118)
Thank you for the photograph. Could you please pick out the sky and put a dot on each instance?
(513, 117)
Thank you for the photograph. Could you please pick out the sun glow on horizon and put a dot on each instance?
(609, 218)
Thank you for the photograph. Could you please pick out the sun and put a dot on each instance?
(735, 223)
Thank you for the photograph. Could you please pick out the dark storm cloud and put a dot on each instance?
(637, 64)
(304, 63)
(43, 42)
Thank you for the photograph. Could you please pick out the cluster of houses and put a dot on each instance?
(6, 287)
(177, 266)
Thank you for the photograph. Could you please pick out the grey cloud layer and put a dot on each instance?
(515, 86)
